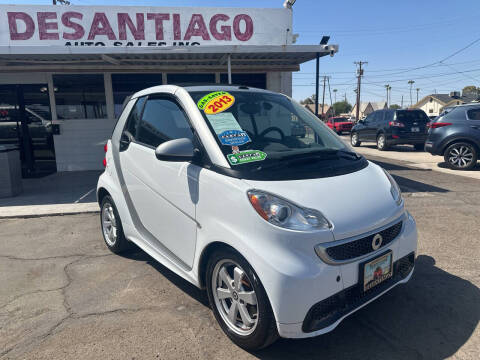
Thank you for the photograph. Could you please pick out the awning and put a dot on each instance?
(179, 58)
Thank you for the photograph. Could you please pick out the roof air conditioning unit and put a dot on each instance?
(455, 94)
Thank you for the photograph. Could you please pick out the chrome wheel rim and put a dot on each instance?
(381, 142)
(460, 156)
(354, 139)
(235, 298)
(109, 224)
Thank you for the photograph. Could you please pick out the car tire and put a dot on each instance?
(111, 226)
(253, 326)
(461, 156)
(382, 142)
(354, 139)
(419, 147)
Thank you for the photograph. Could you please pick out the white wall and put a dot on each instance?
(80, 143)
(431, 108)
(280, 82)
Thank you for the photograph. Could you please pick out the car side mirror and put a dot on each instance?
(176, 150)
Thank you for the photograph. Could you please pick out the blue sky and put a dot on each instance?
(393, 36)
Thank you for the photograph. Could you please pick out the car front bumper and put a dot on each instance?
(323, 311)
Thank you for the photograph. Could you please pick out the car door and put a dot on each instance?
(366, 131)
(163, 193)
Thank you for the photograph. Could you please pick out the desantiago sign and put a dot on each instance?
(124, 26)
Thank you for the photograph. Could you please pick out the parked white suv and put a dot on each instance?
(288, 233)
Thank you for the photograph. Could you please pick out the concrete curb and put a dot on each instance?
(32, 211)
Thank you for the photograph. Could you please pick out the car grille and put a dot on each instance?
(363, 246)
(328, 311)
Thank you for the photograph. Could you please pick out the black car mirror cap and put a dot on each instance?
(177, 150)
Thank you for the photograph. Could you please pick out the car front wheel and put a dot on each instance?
(239, 301)
(461, 156)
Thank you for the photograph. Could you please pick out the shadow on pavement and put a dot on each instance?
(60, 188)
(188, 288)
(430, 317)
(444, 165)
(406, 184)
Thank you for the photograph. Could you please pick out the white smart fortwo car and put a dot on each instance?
(245, 193)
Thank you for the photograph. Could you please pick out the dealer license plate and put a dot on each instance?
(415, 129)
(377, 271)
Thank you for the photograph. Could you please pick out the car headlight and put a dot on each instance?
(283, 213)
(394, 189)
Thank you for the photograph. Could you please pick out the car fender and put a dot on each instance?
(458, 137)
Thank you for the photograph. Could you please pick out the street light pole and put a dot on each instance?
(417, 93)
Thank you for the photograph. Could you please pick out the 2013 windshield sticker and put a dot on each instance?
(246, 156)
(234, 137)
(216, 102)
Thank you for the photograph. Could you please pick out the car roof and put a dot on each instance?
(171, 89)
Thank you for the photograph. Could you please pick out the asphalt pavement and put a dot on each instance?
(64, 296)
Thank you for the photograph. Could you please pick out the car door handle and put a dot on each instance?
(475, 127)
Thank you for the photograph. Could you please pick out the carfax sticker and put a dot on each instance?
(234, 137)
(246, 156)
(216, 102)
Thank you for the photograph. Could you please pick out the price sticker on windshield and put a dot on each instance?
(216, 102)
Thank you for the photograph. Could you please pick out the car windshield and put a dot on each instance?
(339, 120)
(253, 126)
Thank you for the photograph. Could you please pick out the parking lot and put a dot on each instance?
(63, 295)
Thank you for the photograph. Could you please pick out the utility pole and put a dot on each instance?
(411, 82)
(388, 88)
(359, 83)
(401, 106)
(417, 93)
(323, 97)
(330, 93)
(335, 94)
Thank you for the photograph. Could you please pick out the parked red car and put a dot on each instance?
(339, 124)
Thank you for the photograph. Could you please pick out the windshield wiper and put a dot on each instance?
(313, 156)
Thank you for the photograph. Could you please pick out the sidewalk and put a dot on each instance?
(57, 194)
(417, 159)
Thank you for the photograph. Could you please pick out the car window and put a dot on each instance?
(473, 114)
(410, 116)
(162, 120)
(134, 117)
(370, 118)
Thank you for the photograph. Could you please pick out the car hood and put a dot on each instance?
(355, 203)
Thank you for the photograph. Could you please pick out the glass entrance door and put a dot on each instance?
(26, 122)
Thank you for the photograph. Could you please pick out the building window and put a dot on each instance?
(430, 111)
(125, 85)
(258, 80)
(190, 78)
(80, 96)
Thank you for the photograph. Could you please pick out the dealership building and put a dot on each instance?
(70, 68)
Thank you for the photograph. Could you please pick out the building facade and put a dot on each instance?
(65, 71)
